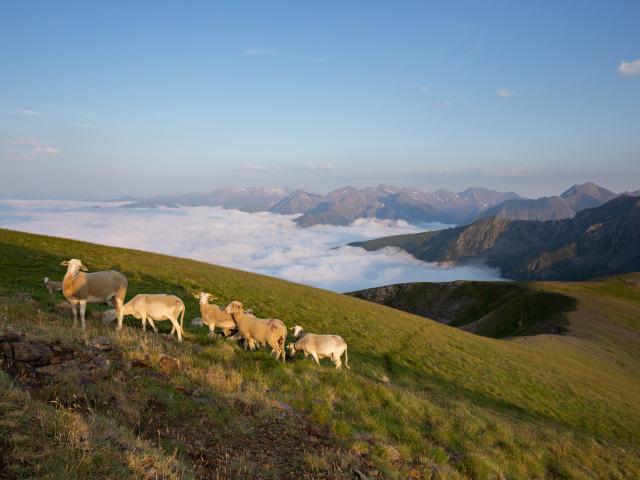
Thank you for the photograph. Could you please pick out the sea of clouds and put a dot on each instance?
(265, 243)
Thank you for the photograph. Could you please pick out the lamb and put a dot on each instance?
(214, 316)
(80, 288)
(158, 307)
(52, 285)
(320, 346)
(254, 330)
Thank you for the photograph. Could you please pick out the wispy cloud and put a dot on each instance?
(424, 89)
(25, 150)
(504, 92)
(46, 150)
(261, 52)
(323, 166)
(264, 168)
(629, 69)
(25, 112)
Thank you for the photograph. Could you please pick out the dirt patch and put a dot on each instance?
(278, 443)
(34, 363)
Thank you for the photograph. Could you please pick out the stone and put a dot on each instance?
(197, 322)
(101, 343)
(32, 352)
(11, 337)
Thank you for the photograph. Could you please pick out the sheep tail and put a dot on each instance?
(182, 318)
(283, 352)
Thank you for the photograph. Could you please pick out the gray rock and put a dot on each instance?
(32, 352)
(101, 343)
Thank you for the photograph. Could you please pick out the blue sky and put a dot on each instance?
(111, 98)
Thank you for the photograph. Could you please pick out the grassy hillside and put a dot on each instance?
(491, 309)
(422, 400)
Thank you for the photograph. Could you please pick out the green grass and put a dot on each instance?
(456, 403)
(491, 309)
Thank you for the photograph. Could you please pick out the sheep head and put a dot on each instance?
(74, 266)
(296, 331)
(204, 297)
(234, 307)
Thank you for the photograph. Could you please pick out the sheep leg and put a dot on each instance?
(336, 361)
(74, 307)
(176, 327)
(153, 325)
(83, 307)
(143, 318)
(117, 303)
(315, 357)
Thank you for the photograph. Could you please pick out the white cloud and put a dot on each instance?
(503, 92)
(260, 52)
(20, 111)
(629, 69)
(326, 166)
(262, 242)
(46, 150)
(25, 149)
(264, 168)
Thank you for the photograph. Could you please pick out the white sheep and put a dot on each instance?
(213, 316)
(254, 330)
(158, 307)
(80, 288)
(319, 346)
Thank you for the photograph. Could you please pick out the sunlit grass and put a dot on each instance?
(456, 403)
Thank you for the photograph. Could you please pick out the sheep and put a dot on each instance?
(80, 288)
(214, 316)
(158, 307)
(254, 330)
(319, 346)
(52, 285)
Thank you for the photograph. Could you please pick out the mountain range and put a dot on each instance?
(346, 204)
(596, 242)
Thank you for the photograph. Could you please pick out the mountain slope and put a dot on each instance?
(420, 398)
(540, 209)
(587, 195)
(575, 199)
(491, 309)
(298, 201)
(596, 242)
(245, 199)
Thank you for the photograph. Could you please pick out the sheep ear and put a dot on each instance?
(65, 263)
(195, 295)
(214, 298)
(83, 268)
